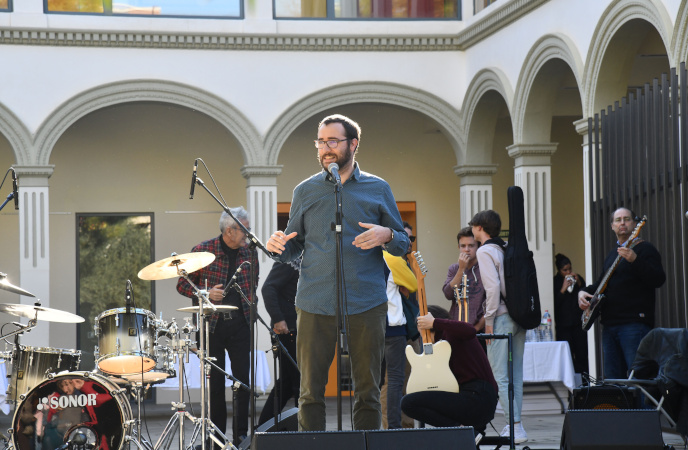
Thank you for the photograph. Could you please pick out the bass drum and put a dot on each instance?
(73, 406)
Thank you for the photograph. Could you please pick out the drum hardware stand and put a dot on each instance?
(202, 296)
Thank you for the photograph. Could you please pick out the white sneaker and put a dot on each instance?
(520, 435)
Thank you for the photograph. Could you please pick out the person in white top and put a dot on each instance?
(486, 227)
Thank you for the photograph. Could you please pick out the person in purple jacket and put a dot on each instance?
(475, 403)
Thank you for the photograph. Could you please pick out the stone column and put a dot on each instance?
(34, 242)
(582, 129)
(261, 196)
(476, 189)
(532, 172)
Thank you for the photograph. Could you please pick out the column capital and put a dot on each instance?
(34, 176)
(476, 174)
(261, 175)
(581, 126)
(532, 154)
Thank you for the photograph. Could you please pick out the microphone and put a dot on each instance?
(233, 280)
(193, 179)
(127, 297)
(333, 168)
(14, 189)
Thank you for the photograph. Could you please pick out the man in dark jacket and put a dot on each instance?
(628, 309)
(279, 295)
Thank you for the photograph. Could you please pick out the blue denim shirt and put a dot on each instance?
(365, 198)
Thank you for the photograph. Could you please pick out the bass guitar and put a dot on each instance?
(430, 369)
(590, 315)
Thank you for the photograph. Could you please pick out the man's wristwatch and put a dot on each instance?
(384, 246)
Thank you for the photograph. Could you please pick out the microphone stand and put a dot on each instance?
(340, 315)
(254, 242)
(9, 197)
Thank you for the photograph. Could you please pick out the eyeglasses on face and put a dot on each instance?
(412, 238)
(331, 143)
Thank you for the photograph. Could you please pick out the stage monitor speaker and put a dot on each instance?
(612, 430)
(605, 397)
(310, 440)
(287, 421)
(460, 438)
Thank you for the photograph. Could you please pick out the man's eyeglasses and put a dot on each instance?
(412, 238)
(331, 143)
(239, 229)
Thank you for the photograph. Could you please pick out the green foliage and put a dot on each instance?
(112, 249)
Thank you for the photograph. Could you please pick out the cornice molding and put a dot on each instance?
(198, 41)
(471, 35)
(496, 20)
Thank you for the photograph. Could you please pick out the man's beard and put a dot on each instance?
(342, 162)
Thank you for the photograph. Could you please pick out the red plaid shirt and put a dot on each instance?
(217, 273)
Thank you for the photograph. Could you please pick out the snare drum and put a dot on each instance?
(126, 342)
(70, 403)
(31, 365)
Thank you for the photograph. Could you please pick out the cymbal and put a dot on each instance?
(42, 313)
(167, 268)
(207, 309)
(7, 286)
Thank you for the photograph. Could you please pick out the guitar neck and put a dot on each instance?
(419, 272)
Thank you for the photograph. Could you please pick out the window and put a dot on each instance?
(479, 5)
(168, 8)
(5, 5)
(111, 249)
(367, 9)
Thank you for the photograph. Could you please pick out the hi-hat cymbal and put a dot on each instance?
(7, 286)
(169, 267)
(40, 312)
(207, 309)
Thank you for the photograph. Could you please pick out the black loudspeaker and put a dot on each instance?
(287, 421)
(461, 438)
(310, 440)
(605, 397)
(612, 430)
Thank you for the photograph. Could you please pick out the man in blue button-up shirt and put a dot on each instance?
(370, 221)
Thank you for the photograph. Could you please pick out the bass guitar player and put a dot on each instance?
(627, 313)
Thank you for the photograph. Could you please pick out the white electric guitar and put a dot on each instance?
(429, 370)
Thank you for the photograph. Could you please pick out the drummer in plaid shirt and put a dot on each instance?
(228, 332)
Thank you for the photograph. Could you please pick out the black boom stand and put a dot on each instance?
(254, 243)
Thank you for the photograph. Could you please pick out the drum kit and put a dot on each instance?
(59, 406)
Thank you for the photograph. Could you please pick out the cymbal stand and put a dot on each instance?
(203, 301)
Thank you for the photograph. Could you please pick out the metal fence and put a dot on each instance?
(638, 159)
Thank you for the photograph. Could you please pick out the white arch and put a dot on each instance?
(17, 135)
(614, 17)
(679, 46)
(146, 90)
(367, 92)
(547, 48)
(489, 79)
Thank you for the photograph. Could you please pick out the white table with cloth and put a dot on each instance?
(547, 362)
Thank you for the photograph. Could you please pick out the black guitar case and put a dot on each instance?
(522, 294)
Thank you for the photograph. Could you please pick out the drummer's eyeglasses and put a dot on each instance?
(412, 238)
(239, 229)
